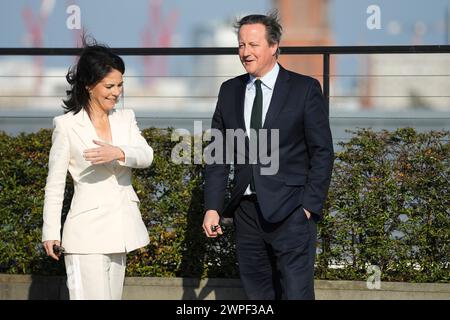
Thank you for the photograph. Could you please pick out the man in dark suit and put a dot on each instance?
(275, 215)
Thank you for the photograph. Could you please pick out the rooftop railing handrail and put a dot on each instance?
(325, 51)
(404, 49)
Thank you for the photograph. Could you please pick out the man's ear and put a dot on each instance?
(274, 49)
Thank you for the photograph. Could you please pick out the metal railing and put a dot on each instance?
(325, 51)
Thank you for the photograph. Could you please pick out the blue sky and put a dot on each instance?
(119, 23)
(348, 20)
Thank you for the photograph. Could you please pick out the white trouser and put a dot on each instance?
(95, 276)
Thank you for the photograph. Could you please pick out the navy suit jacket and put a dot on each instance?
(306, 154)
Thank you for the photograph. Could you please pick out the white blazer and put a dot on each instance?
(104, 216)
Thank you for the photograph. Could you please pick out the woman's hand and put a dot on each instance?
(48, 246)
(103, 154)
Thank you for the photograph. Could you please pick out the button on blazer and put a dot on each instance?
(104, 214)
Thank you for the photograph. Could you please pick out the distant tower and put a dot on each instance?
(35, 23)
(305, 23)
(157, 33)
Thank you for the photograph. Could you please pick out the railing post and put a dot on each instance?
(326, 80)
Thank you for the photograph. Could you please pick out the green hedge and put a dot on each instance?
(389, 206)
(382, 182)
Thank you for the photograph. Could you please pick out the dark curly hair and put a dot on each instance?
(94, 63)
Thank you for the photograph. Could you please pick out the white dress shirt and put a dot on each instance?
(267, 86)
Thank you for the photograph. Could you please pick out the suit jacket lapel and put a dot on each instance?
(279, 96)
(84, 129)
(116, 135)
(114, 125)
(240, 99)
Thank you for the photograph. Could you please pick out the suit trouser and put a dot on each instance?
(276, 260)
(95, 276)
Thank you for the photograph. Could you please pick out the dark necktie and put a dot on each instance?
(256, 120)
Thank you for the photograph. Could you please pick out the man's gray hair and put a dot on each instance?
(270, 21)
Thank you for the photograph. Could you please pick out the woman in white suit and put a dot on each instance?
(98, 145)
